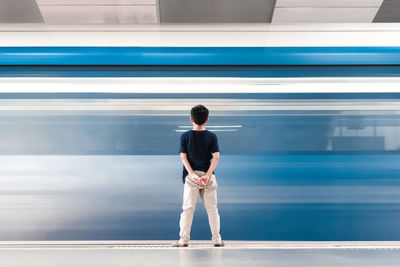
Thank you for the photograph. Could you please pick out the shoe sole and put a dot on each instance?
(180, 246)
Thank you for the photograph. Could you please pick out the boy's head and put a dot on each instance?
(199, 114)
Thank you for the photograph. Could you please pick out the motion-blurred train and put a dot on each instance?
(307, 117)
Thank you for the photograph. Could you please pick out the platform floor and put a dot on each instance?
(200, 253)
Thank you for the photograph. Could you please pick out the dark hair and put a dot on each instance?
(199, 114)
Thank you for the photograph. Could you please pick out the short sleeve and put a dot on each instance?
(214, 145)
(183, 146)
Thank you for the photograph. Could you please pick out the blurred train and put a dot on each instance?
(309, 133)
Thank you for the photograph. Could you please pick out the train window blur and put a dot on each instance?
(152, 126)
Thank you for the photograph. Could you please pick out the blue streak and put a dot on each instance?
(199, 56)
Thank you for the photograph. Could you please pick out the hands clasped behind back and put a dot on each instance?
(201, 181)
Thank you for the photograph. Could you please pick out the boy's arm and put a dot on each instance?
(204, 179)
(189, 169)
(213, 164)
(186, 163)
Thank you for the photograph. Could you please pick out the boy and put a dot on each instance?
(198, 147)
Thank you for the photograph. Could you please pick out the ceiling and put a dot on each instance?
(389, 12)
(321, 11)
(111, 12)
(20, 11)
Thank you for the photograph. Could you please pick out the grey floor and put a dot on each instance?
(198, 255)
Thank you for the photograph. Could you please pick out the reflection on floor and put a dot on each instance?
(200, 253)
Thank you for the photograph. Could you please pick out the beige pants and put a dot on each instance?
(208, 194)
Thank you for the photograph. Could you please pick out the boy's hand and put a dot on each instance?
(204, 180)
(195, 178)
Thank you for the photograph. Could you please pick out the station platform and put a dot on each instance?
(199, 253)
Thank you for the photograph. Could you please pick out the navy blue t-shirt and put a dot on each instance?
(199, 146)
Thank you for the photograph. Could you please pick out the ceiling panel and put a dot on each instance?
(325, 11)
(215, 11)
(328, 3)
(323, 15)
(19, 11)
(389, 12)
(94, 2)
(99, 14)
(99, 11)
